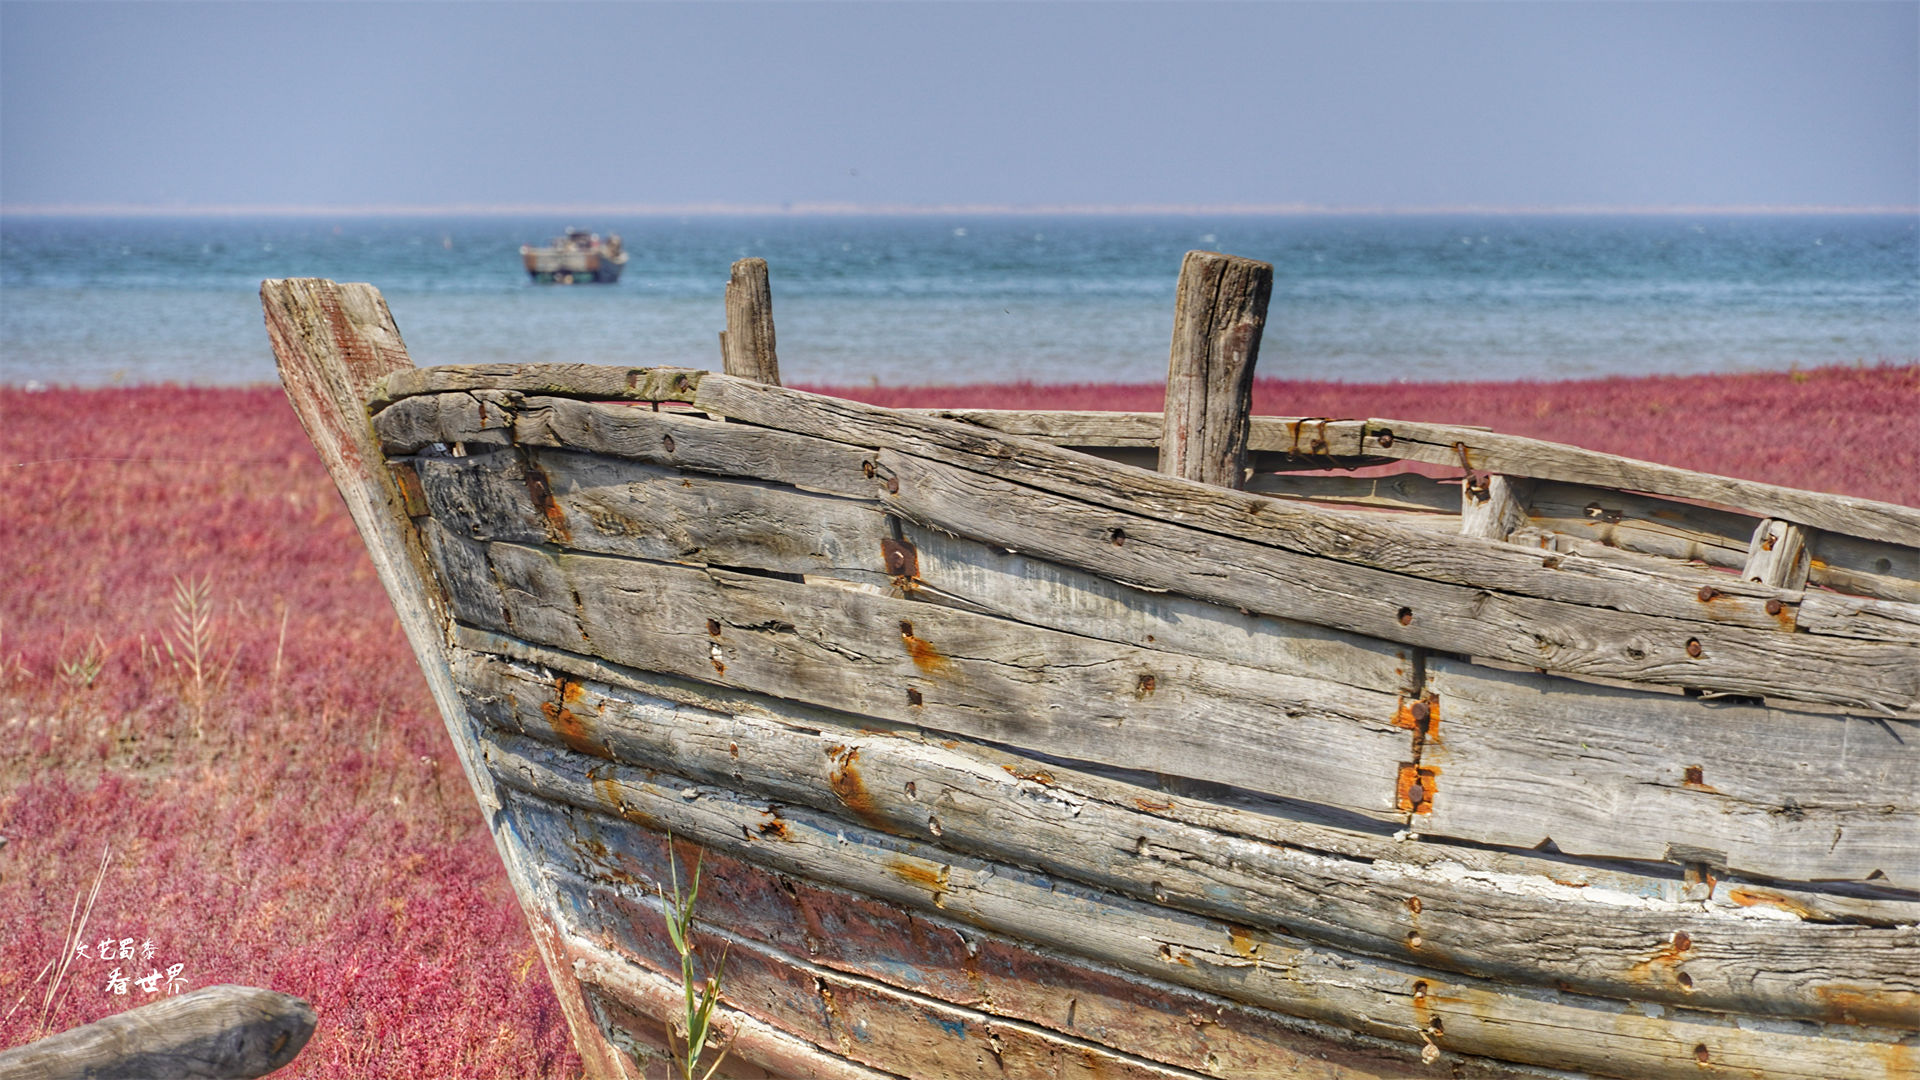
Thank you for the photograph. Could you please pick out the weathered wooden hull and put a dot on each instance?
(1006, 759)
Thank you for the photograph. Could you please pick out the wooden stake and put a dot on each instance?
(1219, 313)
(747, 343)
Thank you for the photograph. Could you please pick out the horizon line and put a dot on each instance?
(845, 209)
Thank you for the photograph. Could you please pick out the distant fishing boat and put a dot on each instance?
(577, 257)
(1009, 757)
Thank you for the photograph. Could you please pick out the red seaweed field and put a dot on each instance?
(207, 704)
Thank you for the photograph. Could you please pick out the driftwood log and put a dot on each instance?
(221, 1032)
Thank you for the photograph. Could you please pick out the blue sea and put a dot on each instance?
(961, 299)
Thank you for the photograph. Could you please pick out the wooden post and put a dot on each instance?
(235, 1032)
(747, 344)
(1777, 555)
(1218, 315)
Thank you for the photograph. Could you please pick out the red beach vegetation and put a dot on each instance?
(222, 764)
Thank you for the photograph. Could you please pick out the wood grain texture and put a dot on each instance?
(233, 1032)
(1523, 759)
(1520, 924)
(1278, 823)
(1512, 454)
(1220, 309)
(978, 983)
(749, 341)
(1408, 440)
(1556, 1030)
(1630, 643)
(961, 672)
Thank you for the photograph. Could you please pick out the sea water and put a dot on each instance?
(930, 299)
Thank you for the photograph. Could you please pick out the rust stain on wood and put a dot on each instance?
(851, 789)
(569, 726)
(1857, 1005)
(1240, 939)
(412, 495)
(924, 655)
(1421, 715)
(1747, 897)
(923, 874)
(902, 559)
(541, 491)
(1415, 788)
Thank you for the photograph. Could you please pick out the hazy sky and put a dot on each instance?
(1374, 104)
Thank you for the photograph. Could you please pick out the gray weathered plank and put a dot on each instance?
(1332, 887)
(1512, 454)
(593, 382)
(611, 507)
(1622, 644)
(1409, 440)
(952, 670)
(994, 980)
(1475, 1017)
(227, 1031)
(1523, 759)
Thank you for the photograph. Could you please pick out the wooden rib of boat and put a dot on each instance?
(1008, 757)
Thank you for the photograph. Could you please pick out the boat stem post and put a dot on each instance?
(747, 344)
(1219, 312)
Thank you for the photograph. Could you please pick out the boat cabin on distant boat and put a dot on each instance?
(579, 256)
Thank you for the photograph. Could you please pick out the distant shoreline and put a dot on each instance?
(831, 209)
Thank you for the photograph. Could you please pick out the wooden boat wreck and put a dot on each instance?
(1010, 757)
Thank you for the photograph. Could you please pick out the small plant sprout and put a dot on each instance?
(702, 994)
(191, 647)
(82, 670)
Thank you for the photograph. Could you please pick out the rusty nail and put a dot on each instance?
(1693, 647)
(713, 627)
(913, 696)
(1694, 775)
(1420, 712)
(1413, 940)
(1774, 607)
(1700, 1054)
(1413, 904)
(1417, 794)
(893, 485)
(1685, 980)
(1435, 1027)
(666, 442)
(867, 467)
(1708, 592)
(1386, 437)
(1145, 685)
(1406, 616)
(1117, 537)
(1682, 941)
(906, 628)
(1766, 542)
(1420, 991)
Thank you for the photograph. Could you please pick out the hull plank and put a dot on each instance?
(1341, 889)
(956, 671)
(1464, 1015)
(1524, 760)
(1361, 576)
